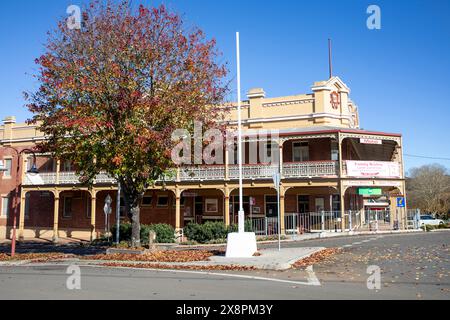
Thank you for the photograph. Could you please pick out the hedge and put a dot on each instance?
(164, 233)
(211, 231)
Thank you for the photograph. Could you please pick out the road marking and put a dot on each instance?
(312, 278)
(347, 246)
(365, 241)
(357, 243)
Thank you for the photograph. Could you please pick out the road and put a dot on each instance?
(412, 266)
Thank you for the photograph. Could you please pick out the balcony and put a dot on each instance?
(314, 169)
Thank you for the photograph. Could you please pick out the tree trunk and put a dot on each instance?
(132, 202)
(135, 226)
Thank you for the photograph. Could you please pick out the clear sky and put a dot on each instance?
(399, 75)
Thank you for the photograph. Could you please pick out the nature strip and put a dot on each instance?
(158, 256)
(316, 258)
(34, 257)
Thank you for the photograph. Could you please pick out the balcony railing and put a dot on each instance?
(310, 169)
(205, 173)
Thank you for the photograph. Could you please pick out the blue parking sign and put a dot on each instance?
(400, 202)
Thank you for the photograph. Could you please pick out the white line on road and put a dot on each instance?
(312, 279)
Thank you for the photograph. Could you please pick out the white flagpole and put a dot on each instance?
(241, 214)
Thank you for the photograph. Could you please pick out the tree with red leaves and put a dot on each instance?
(113, 91)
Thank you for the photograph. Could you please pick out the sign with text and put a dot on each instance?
(374, 169)
(370, 141)
(401, 202)
(370, 191)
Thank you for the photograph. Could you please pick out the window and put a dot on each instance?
(303, 204)
(5, 207)
(122, 207)
(300, 151)
(27, 206)
(320, 204)
(147, 201)
(8, 166)
(235, 154)
(334, 151)
(67, 210)
(267, 152)
(212, 205)
(163, 201)
(87, 206)
(336, 202)
(67, 166)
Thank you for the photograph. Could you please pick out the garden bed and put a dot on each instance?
(316, 258)
(34, 257)
(156, 256)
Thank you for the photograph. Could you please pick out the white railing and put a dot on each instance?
(310, 169)
(311, 222)
(204, 173)
(253, 171)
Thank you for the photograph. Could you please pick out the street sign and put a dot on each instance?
(107, 208)
(276, 180)
(401, 203)
(370, 191)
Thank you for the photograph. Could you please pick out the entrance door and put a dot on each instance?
(198, 210)
(303, 204)
(234, 212)
(271, 206)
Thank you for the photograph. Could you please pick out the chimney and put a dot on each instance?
(8, 124)
(256, 97)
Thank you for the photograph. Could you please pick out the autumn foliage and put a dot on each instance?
(112, 93)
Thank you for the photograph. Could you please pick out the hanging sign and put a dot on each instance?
(372, 169)
(370, 141)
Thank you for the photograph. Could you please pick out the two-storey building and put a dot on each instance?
(327, 164)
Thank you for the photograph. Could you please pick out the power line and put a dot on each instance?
(425, 157)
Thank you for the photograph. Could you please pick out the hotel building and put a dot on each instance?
(327, 164)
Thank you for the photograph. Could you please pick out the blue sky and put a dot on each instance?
(399, 75)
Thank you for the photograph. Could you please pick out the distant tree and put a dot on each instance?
(113, 91)
(428, 189)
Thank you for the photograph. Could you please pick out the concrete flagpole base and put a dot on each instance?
(241, 245)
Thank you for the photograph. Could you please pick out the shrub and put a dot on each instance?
(164, 233)
(203, 233)
(124, 232)
(211, 232)
(235, 228)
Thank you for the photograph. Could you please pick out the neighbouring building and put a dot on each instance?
(327, 164)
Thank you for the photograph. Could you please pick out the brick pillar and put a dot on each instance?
(56, 217)
(22, 215)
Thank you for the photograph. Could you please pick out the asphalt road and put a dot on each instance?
(412, 266)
